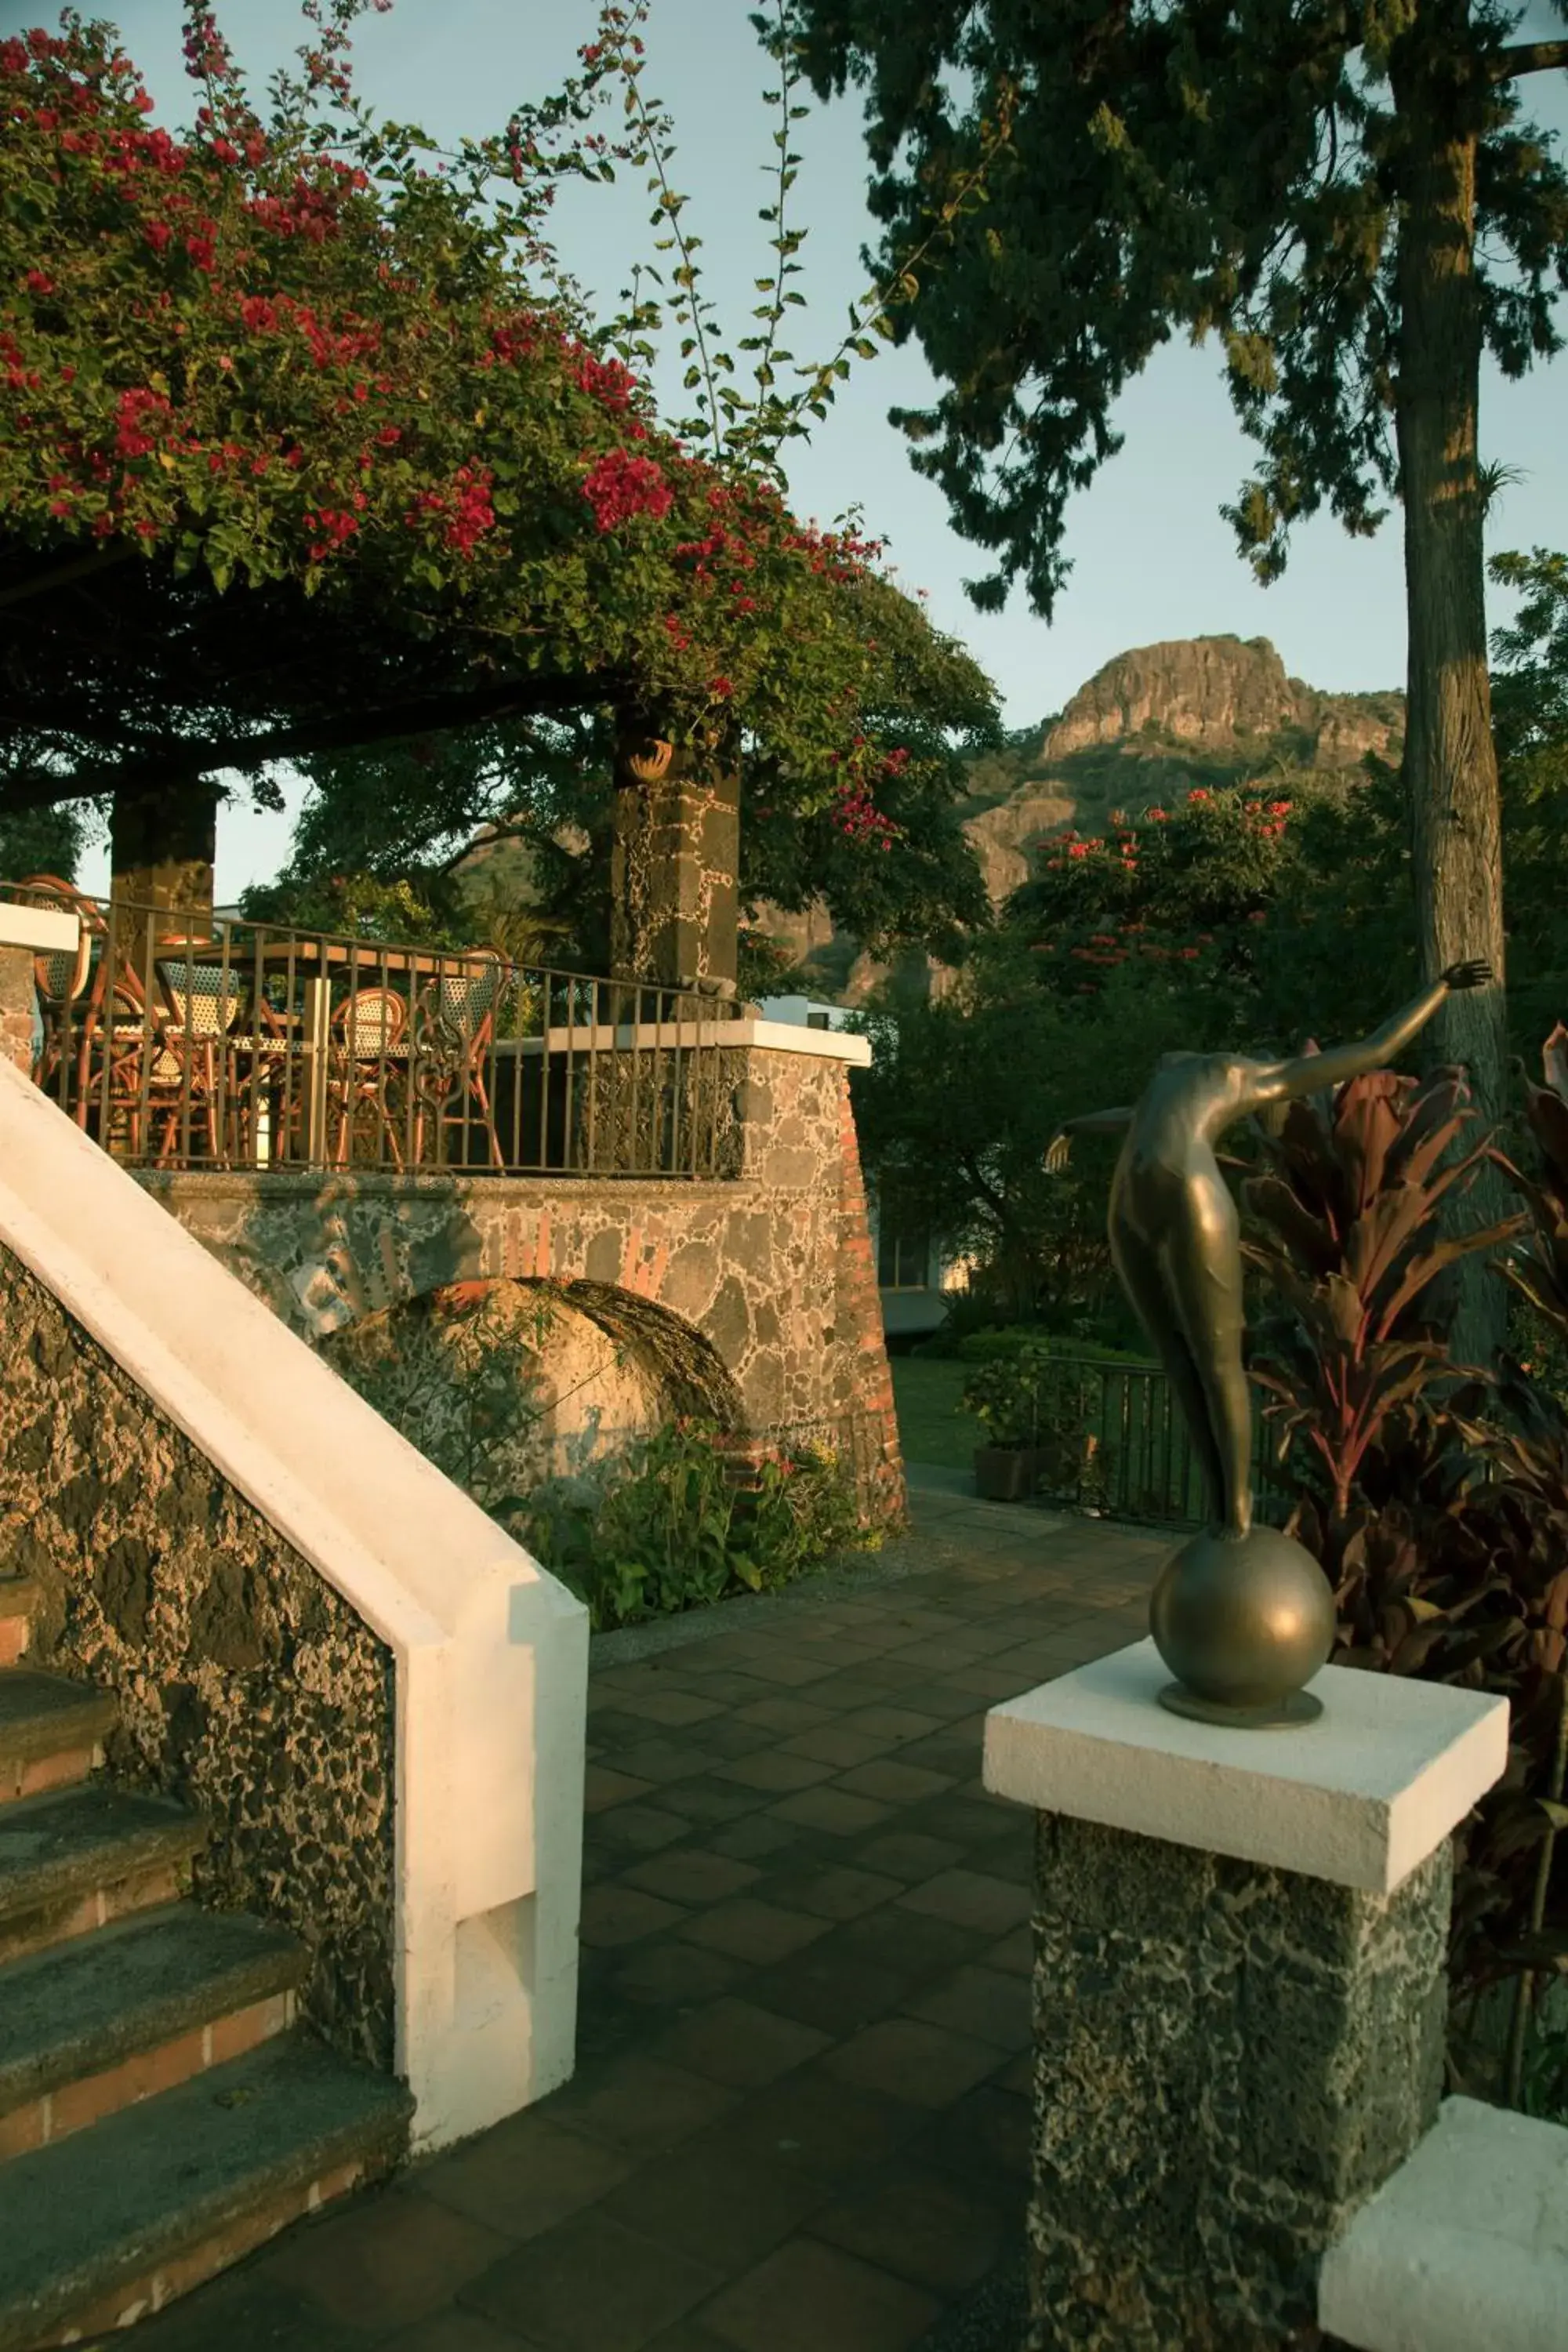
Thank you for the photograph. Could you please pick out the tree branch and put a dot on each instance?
(180, 761)
(1528, 57)
(60, 575)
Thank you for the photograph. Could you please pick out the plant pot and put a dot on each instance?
(1007, 1473)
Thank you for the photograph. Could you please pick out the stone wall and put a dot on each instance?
(249, 1688)
(759, 1287)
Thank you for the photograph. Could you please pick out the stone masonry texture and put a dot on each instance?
(1228, 2059)
(247, 1689)
(757, 1289)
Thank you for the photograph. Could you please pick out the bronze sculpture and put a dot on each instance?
(1242, 1614)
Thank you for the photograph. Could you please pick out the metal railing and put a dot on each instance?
(1117, 1443)
(190, 1043)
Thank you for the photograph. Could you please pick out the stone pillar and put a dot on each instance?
(675, 864)
(859, 1319)
(26, 932)
(1240, 1996)
(162, 844)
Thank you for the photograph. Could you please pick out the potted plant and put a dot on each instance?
(1006, 1396)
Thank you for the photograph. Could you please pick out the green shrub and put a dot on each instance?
(686, 1520)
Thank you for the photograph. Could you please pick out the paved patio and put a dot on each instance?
(799, 2122)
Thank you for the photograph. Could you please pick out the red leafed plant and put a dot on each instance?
(1436, 1497)
(1344, 1226)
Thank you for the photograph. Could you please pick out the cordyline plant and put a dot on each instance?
(282, 356)
(1344, 1230)
(1440, 1509)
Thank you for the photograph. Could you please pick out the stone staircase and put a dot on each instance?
(161, 2112)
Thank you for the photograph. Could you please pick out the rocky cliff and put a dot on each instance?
(1158, 720)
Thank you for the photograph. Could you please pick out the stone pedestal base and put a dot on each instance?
(1240, 1994)
(1228, 2059)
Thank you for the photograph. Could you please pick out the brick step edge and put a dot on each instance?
(93, 2026)
(116, 2222)
(73, 1860)
(49, 1731)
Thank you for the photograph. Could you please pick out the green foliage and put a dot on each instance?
(293, 408)
(1438, 1501)
(685, 1522)
(1243, 174)
(42, 841)
(1343, 1224)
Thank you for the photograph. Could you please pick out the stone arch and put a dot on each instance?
(509, 1383)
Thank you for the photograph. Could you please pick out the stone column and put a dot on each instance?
(161, 845)
(675, 864)
(1240, 1995)
(25, 932)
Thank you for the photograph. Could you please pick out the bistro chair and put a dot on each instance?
(201, 1004)
(59, 977)
(368, 1070)
(456, 1029)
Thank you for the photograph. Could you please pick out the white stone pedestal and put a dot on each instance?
(1240, 1989)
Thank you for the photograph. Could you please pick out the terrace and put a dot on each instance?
(237, 1046)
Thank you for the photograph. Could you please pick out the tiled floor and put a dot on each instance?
(799, 2119)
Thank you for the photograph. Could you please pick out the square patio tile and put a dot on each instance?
(819, 2125)
(774, 1770)
(784, 1714)
(839, 1892)
(725, 2215)
(922, 2225)
(896, 1783)
(592, 2286)
(830, 1743)
(834, 1811)
(667, 1972)
(750, 1930)
(971, 1899)
(616, 1914)
(390, 2258)
(986, 2003)
(736, 2044)
(907, 2058)
(692, 1875)
(658, 1759)
(522, 2177)
(808, 2297)
(605, 1786)
(908, 1856)
(757, 1837)
(635, 1829)
(449, 2331)
(675, 1707)
(636, 2104)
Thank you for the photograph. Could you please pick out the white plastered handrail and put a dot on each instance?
(491, 1653)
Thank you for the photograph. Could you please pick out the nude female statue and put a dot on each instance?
(1176, 1238)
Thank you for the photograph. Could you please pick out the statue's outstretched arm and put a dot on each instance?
(1088, 1122)
(1311, 1074)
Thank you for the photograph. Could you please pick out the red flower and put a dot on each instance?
(38, 281)
(158, 234)
(621, 485)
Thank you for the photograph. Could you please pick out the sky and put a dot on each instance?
(1152, 556)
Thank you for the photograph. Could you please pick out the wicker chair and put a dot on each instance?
(368, 1070)
(61, 977)
(456, 1027)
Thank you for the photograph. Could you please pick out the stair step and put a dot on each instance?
(18, 1601)
(50, 1729)
(115, 2222)
(117, 2017)
(73, 1860)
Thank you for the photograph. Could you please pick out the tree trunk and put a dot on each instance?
(1450, 761)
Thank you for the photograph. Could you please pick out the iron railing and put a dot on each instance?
(201, 1044)
(1117, 1443)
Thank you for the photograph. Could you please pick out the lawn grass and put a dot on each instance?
(931, 1426)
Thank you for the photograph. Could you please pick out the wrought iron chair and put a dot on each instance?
(368, 1070)
(195, 1057)
(455, 1029)
(60, 979)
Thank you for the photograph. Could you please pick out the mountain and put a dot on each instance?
(1155, 721)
